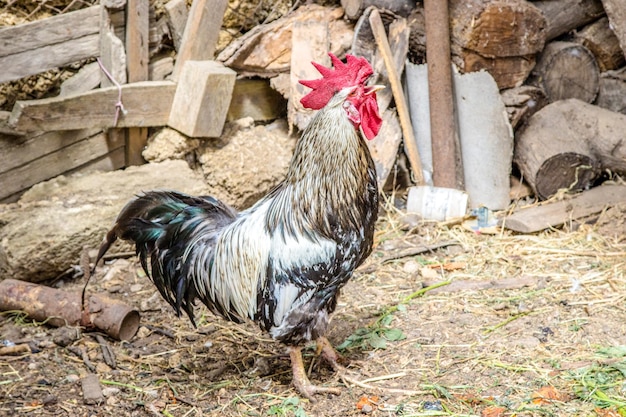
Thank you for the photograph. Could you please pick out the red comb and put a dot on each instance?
(354, 72)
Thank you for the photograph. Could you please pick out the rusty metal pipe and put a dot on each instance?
(444, 136)
(60, 308)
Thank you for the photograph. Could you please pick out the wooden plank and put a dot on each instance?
(53, 30)
(15, 152)
(177, 15)
(137, 20)
(34, 61)
(147, 103)
(56, 163)
(109, 162)
(112, 52)
(589, 202)
(201, 32)
(87, 78)
(202, 99)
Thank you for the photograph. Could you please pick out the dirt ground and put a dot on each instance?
(481, 324)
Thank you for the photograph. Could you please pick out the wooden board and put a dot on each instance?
(19, 151)
(53, 164)
(147, 103)
(16, 66)
(53, 30)
(201, 32)
(553, 214)
(87, 78)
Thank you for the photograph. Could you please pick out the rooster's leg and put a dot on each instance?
(329, 353)
(301, 381)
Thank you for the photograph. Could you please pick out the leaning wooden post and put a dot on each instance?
(137, 57)
(201, 33)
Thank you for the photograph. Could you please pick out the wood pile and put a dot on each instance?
(538, 52)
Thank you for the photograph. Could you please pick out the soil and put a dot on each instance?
(520, 325)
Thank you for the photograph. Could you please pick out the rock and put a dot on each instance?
(43, 234)
(92, 392)
(65, 336)
(246, 163)
(168, 144)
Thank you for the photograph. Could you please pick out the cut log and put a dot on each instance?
(266, 49)
(255, 98)
(567, 144)
(509, 72)
(473, 25)
(612, 94)
(563, 16)
(587, 203)
(567, 70)
(354, 8)
(202, 99)
(201, 33)
(498, 28)
(146, 103)
(616, 11)
(599, 38)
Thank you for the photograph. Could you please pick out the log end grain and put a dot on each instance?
(568, 70)
(571, 171)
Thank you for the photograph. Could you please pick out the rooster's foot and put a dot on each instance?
(301, 381)
(331, 356)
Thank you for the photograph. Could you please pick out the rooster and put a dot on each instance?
(282, 262)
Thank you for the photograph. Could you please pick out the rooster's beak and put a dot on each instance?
(374, 88)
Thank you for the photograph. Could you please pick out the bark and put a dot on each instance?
(567, 144)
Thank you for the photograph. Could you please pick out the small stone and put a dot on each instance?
(136, 287)
(411, 267)
(109, 391)
(72, 378)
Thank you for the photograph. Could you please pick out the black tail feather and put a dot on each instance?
(163, 224)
